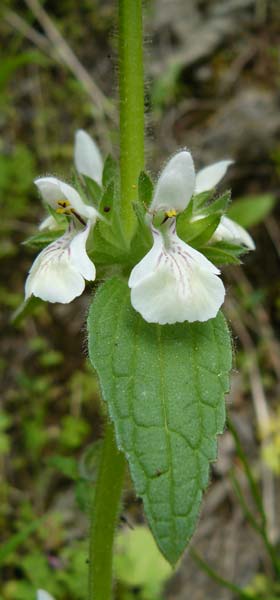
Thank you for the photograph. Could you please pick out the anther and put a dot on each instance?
(171, 213)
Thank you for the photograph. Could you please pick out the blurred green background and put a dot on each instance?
(212, 84)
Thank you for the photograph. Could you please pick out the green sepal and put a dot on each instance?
(110, 170)
(110, 229)
(145, 189)
(199, 200)
(164, 386)
(93, 189)
(43, 238)
(189, 211)
(106, 204)
(197, 232)
(103, 253)
(218, 206)
(144, 230)
(224, 253)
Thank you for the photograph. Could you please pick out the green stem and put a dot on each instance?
(104, 517)
(112, 467)
(131, 89)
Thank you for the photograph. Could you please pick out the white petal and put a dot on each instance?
(175, 284)
(79, 257)
(209, 177)
(49, 188)
(54, 190)
(175, 185)
(59, 283)
(48, 223)
(59, 271)
(87, 157)
(43, 595)
(148, 264)
(230, 231)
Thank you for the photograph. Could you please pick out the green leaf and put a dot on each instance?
(201, 199)
(252, 210)
(144, 232)
(222, 253)
(145, 189)
(165, 388)
(109, 170)
(197, 232)
(27, 307)
(110, 230)
(93, 189)
(218, 206)
(43, 238)
(107, 201)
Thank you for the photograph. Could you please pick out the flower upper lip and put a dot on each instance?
(54, 192)
(87, 157)
(208, 177)
(175, 185)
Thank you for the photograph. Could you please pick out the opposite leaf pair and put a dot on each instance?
(173, 282)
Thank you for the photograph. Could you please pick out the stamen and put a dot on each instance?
(171, 213)
(63, 211)
(63, 203)
(73, 212)
(64, 207)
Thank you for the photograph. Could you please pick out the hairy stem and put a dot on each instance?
(131, 89)
(104, 515)
(106, 504)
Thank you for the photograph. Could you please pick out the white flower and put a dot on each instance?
(58, 273)
(230, 231)
(209, 177)
(87, 157)
(64, 199)
(227, 230)
(174, 282)
(43, 595)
